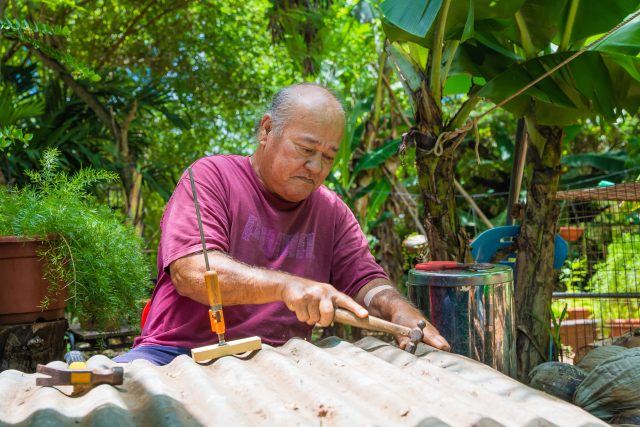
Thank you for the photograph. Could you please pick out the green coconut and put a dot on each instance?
(612, 387)
(599, 355)
(556, 378)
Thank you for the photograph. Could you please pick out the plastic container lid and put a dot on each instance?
(461, 276)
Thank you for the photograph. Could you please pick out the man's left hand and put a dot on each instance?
(388, 304)
(409, 317)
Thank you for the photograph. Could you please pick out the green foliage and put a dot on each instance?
(14, 111)
(554, 329)
(603, 81)
(34, 34)
(343, 180)
(11, 135)
(573, 274)
(618, 273)
(97, 257)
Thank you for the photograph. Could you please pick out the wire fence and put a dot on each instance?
(600, 280)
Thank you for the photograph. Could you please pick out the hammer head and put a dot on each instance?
(415, 336)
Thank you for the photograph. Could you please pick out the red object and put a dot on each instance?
(439, 265)
(571, 234)
(145, 313)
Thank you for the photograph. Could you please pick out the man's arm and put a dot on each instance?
(313, 302)
(387, 303)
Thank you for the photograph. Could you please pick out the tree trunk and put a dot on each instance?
(534, 267)
(446, 238)
(25, 345)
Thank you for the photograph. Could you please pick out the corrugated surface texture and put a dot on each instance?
(333, 383)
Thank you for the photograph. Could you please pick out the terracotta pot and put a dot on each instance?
(571, 234)
(620, 327)
(22, 286)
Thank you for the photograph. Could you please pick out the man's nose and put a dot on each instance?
(314, 164)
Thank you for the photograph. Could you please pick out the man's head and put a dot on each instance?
(298, 140)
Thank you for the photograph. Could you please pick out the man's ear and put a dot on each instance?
(266, 126)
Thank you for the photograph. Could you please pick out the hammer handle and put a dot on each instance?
(370, 323)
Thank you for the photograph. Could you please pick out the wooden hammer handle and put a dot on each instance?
(370, 323)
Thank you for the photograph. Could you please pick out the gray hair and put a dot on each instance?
(283, 103)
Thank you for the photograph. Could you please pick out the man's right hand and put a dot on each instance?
(315, 302)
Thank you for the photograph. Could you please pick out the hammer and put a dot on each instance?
(78, 375)
(373, 323)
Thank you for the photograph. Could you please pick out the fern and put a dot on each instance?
(95, 255)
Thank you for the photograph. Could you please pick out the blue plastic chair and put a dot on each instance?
(485, 246)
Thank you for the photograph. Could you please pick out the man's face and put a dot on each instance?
(295, 162)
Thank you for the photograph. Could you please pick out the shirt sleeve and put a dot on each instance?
(180, 234)
(353, 264)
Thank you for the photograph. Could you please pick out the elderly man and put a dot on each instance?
(286, 249)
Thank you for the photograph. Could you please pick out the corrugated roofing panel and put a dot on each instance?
(335, 383)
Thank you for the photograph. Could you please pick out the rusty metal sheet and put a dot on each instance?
(333, 383)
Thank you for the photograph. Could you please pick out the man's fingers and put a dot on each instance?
(314, 313)
(402, 341)
(342, 300)
(434, 339)
(327, 312)
(302, 312)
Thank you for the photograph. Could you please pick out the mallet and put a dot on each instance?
(216, 317)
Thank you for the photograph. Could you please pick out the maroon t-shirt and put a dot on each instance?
(318, 238)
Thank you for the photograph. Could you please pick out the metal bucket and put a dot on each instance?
(473, 309)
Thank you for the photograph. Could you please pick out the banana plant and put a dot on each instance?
(424, 37)
(603, 81)
(490, 53)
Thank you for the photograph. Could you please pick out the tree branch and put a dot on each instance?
(3, 5)
(377, 103)
(129, 31)
(124, 143)
(10, 52)
(472, 203)
(396, 104)
(81, 92)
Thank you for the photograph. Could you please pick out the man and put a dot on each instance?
(286, 249)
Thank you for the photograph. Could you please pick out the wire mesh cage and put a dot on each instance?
(600, 280)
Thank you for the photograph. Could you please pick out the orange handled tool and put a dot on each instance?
(210, 277)
(222, 348)
(215, 303)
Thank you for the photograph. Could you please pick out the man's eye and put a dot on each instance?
(328, 158)
(306, 150)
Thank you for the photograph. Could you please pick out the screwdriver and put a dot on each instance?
(216, 317)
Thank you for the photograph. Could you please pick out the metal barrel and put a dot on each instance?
(473, 309)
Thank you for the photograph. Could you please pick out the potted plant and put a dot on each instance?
(571, 233)
(86, 250)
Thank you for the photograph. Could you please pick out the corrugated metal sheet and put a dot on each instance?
(334, 383)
